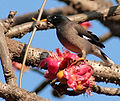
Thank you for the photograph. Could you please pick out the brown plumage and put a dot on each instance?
(77, 39)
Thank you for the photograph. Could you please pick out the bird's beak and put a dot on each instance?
(44, 20)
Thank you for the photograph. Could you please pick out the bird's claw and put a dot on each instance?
(37, 22)
(77, 62)
(34, 19)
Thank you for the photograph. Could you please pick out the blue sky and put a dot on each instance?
(48, 40)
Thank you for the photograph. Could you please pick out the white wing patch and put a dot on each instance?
(85, 37)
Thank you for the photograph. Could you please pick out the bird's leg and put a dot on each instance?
(83, 54)
(82, 58)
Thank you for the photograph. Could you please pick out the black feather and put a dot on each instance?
(104, 55)
(97, 43)
(94, 36)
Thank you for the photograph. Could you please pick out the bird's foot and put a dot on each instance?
(77, 62)
(43, 20)
(38, 21)
(34, 19)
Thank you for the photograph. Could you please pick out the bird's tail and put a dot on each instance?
(103, 56)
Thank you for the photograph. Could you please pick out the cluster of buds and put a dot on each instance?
(62, 66)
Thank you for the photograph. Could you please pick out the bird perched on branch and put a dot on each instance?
(77, 39)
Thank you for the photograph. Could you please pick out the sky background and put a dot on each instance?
(48, 40)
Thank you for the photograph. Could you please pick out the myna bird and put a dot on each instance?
(77, 39)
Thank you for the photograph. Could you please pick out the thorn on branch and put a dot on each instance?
(7, 23)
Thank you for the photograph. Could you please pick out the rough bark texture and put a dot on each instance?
(76, 10)
(12, 93)
(102, 72)
(10, 77)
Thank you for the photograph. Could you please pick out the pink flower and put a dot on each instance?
(57, 61)
(76, 76)
(79, 78)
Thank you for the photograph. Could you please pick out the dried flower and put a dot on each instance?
(18, 66)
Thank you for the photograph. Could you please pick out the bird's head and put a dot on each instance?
(57, 19)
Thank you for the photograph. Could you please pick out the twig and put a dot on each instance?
(118, 1)
(10, 77)
(42, 86)
(62, 90)
(34, 30)
(105, 37)
(7, 23)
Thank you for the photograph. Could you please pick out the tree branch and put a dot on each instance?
(41, 86)
(27, 17)
(105, 37)
(20, 30)
(101, 71)
(88, 5)
(106, 90)
(12, 93)
(62, 90)
(17, 51)
(118, 1)
(10, 77)
(104, 73)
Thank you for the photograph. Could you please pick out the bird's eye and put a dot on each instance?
(54, 17)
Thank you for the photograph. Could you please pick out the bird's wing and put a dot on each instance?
(88, 35)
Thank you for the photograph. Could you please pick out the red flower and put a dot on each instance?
(76, 76)
(86, 25)
(57, 61)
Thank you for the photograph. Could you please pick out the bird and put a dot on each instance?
(77, 39)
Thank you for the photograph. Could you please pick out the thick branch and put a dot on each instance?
(12, 93)
(66, 10)
(20, 30)
(27, 17)
(88, 5)
(17, 51)
(101, 71)
(112, 22)
(104, 73)
(6, 62)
